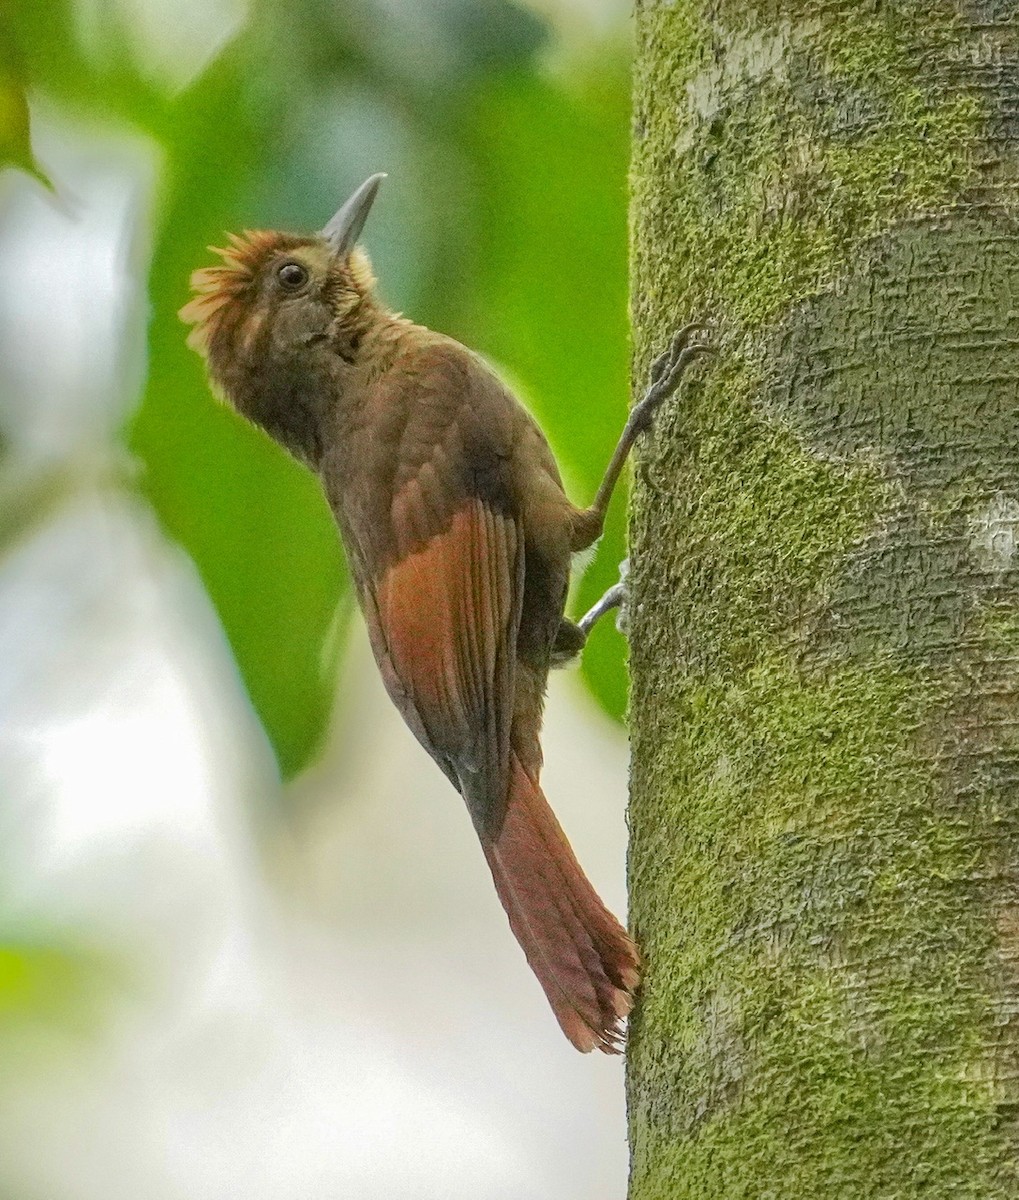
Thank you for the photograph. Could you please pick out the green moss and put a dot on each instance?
(762, 527)
(797, 140)
(824, 756)
(805, 821)
(1000, 629)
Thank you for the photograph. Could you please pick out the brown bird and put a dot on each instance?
(459, 538)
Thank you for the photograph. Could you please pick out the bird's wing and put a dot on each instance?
(442, 571)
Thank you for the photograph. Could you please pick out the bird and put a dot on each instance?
(459, 537)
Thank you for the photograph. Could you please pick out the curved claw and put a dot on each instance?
(667, 382)
(677, 367)
(679, 342)
(666, 374)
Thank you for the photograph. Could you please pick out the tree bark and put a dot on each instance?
(825, 602)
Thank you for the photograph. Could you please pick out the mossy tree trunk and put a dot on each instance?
(825, 617)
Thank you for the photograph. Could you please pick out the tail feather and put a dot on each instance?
(583, 958)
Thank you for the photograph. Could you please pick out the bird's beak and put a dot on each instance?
(345, 228)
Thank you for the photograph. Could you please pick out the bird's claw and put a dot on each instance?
(680, 340)
(667, 371)
(616, 597)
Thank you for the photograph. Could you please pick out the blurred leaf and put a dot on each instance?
(552, 165)
(15, 139)
(15, 124)
(45, 45)
(254, 522)
(45, 982)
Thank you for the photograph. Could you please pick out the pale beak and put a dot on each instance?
(345, 228)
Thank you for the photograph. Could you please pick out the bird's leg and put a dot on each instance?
(667, 372)
(616, 597)
(572, 636)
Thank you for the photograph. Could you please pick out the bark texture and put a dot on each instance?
(825, 618)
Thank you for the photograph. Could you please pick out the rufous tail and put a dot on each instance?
(584, 960)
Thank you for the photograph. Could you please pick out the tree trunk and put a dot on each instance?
(825, 612)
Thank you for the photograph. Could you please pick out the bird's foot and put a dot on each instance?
(667, 373)
(572, 636)
(615, 598)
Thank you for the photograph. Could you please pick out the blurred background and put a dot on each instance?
(248, 944)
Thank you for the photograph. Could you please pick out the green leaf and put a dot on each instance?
(15, 122)
(254, 522)
(552, 164)
(47, 982)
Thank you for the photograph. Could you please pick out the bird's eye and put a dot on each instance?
(292, 276)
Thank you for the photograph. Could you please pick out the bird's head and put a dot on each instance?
(269, 318)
